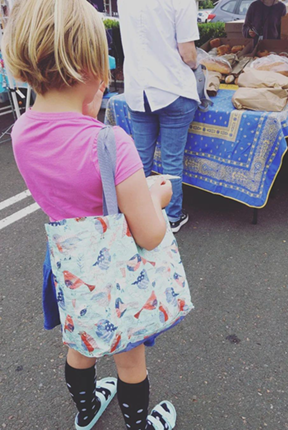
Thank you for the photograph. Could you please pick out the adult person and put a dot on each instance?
(160, 87)
(263, 19)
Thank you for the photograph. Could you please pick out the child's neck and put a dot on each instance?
(67, 100)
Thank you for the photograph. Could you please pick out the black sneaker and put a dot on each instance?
(175, 226)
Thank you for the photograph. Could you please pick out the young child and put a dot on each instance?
(59, 47)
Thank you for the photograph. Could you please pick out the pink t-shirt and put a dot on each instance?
(56, 154)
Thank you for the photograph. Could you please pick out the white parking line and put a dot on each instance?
(18, 215)
(14, 199)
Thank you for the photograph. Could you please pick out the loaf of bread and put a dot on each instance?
(215, 43)
(272, 63)
(229, 79)
(224, 49)
(216, 65)
(277, 67)
(237, 48)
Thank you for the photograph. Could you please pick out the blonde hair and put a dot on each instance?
(55, 43)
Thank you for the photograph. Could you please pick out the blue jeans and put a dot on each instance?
(172, 122)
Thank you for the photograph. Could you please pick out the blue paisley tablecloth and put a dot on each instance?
(236, 154)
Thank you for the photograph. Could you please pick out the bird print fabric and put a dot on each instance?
(113, 295)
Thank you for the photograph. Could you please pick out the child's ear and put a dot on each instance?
(102, 87)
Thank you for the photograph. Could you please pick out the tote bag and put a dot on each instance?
(113, 295)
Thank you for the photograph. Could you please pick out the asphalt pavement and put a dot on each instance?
(224, 367)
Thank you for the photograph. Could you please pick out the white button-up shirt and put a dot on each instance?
(151, 31)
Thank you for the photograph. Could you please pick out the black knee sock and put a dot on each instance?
(134, 400)
(82, 386)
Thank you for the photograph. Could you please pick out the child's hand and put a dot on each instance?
(93, 108)
(162, 190)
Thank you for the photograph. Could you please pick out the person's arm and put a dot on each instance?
(186, 30)
(245, 29)
(143, 208)
(248, 24)
(188, 53)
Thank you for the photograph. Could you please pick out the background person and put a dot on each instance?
(98, 4)
(264, 19)
(160, 87)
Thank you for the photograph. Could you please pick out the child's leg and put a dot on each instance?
(133, 387)
(79, 361)
(81, 382)
(80, 376)
(133, 394)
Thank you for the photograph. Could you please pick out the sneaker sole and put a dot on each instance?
(176, 229)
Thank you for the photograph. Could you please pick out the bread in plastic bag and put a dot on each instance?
(213, 52)
(271, 63)
(213, 64)
(253, 78)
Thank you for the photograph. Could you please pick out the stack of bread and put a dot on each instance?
(261, 90)
(224, 49)
(222, 59)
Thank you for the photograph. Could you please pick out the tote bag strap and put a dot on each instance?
(106, 149)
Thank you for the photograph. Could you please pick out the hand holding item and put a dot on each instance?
(92, 109)
(162, 190)
(252, 33)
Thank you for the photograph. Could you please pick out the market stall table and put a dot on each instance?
(236, 154)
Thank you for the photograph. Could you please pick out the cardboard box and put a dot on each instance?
(284, 27)
(272, 45)
(233, 42)
(234, 35)
(233, 29)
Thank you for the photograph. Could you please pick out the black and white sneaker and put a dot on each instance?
(105, 391)
(175, 226)
(162, 417)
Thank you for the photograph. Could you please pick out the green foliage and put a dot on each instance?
(210, 30)
(111, 23)
(206, 4)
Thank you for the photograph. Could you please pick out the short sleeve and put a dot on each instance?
(186, 21)
(128, 160)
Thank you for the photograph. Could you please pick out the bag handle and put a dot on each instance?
(106, 149)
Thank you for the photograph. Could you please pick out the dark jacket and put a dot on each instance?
(264, 20)
(98, 4)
